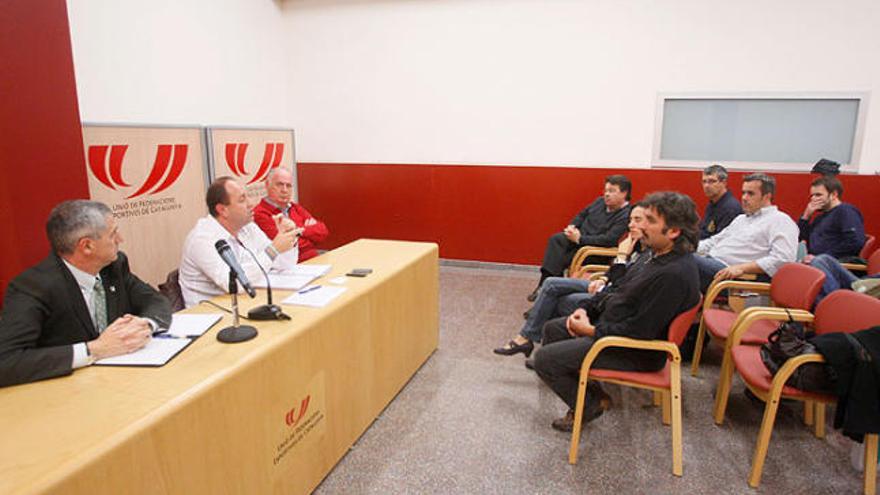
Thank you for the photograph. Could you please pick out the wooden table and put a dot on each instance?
(272, 415)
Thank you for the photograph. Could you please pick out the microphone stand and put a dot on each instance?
(235, 333)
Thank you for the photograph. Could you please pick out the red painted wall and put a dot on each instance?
(503, 214)
(41, 154)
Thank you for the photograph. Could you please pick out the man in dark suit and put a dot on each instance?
(79, 304)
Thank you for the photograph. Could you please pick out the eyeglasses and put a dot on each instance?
(711, 181)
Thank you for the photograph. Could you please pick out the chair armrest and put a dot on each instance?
(629, 343)
(751, 315)
(787, 369)
(855, 266)
(716, 288)
(585, 251)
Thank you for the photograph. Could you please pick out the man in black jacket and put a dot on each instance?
(642, 308)
(79, 304)
(601, 223)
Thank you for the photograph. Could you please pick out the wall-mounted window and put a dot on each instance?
(767, 132)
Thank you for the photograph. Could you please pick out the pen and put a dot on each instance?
(304, 291)
(165, 336)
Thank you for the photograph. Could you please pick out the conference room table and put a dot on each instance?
(270, 415)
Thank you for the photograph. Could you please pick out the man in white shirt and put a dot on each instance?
(79, 304)
(759, 241)
(203, 273)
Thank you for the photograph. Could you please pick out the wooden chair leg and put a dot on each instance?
(819, 420)
(809, 408)
(871, 464)
(723, 391)
(667, 408)
(578, 418)
(698, 350)
(675, 394)
(658, 398)
(770, 409)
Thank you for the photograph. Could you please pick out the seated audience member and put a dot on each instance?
(837, 229)
(78, 305)
(759, 241)
(643, 308)
(836, 276)
(601, 223)
(560, 296)
(722, 207)
(279, 191)
(203, 273)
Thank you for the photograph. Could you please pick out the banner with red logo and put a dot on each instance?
(248, 154)
(154, 180)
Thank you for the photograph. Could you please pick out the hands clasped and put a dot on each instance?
(125, 335)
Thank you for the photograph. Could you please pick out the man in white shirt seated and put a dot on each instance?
(203, 273)
(759, 241)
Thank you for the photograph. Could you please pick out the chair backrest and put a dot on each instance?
(847, 311)
(171, 290)
(796, 286)
(874, 263)
(868, 247)
(680, 325)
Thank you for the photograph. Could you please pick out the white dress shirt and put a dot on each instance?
(204, 274)
(768, 237)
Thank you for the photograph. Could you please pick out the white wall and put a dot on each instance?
(552, 82)
(180, 61)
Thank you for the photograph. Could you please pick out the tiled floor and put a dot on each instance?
(473, 422)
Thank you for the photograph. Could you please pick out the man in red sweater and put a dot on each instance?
(279, 191)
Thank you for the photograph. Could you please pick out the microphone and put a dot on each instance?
(267, 311)
(229, 258)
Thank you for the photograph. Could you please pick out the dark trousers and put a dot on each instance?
(558, 255)
(558, 361)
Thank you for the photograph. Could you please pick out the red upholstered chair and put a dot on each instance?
(841, 311)
(666, 383)
(794, 286)
(868, 249)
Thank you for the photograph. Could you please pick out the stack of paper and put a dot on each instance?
(286, 281)
(313, 270)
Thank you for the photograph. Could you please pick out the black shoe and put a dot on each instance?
(530, 363)
(513, 348)
(757, 402)
(533, 295)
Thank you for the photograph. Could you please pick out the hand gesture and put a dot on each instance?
(125, 335)
(595, 286)
(578, 323)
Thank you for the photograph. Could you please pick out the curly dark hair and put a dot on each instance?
(679, 212)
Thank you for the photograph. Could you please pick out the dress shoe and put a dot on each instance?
(566, 423)
(513, 348)
(530, 363)
(533, 295)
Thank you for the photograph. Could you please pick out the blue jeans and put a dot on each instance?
(708, 267)
(552, 290)
(836, 276)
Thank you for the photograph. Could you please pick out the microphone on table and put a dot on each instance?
(267, 311)
(235, 333)
(229, 257)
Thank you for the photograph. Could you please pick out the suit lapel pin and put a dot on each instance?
(112, 288)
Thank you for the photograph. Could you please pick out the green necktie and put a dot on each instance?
(100, 306)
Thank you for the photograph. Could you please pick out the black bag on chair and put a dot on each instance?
(788, 341)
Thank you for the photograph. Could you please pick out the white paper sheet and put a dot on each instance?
(285, 281)
(192, 325)
(313, 270)
(156, 353)
(315, 298)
